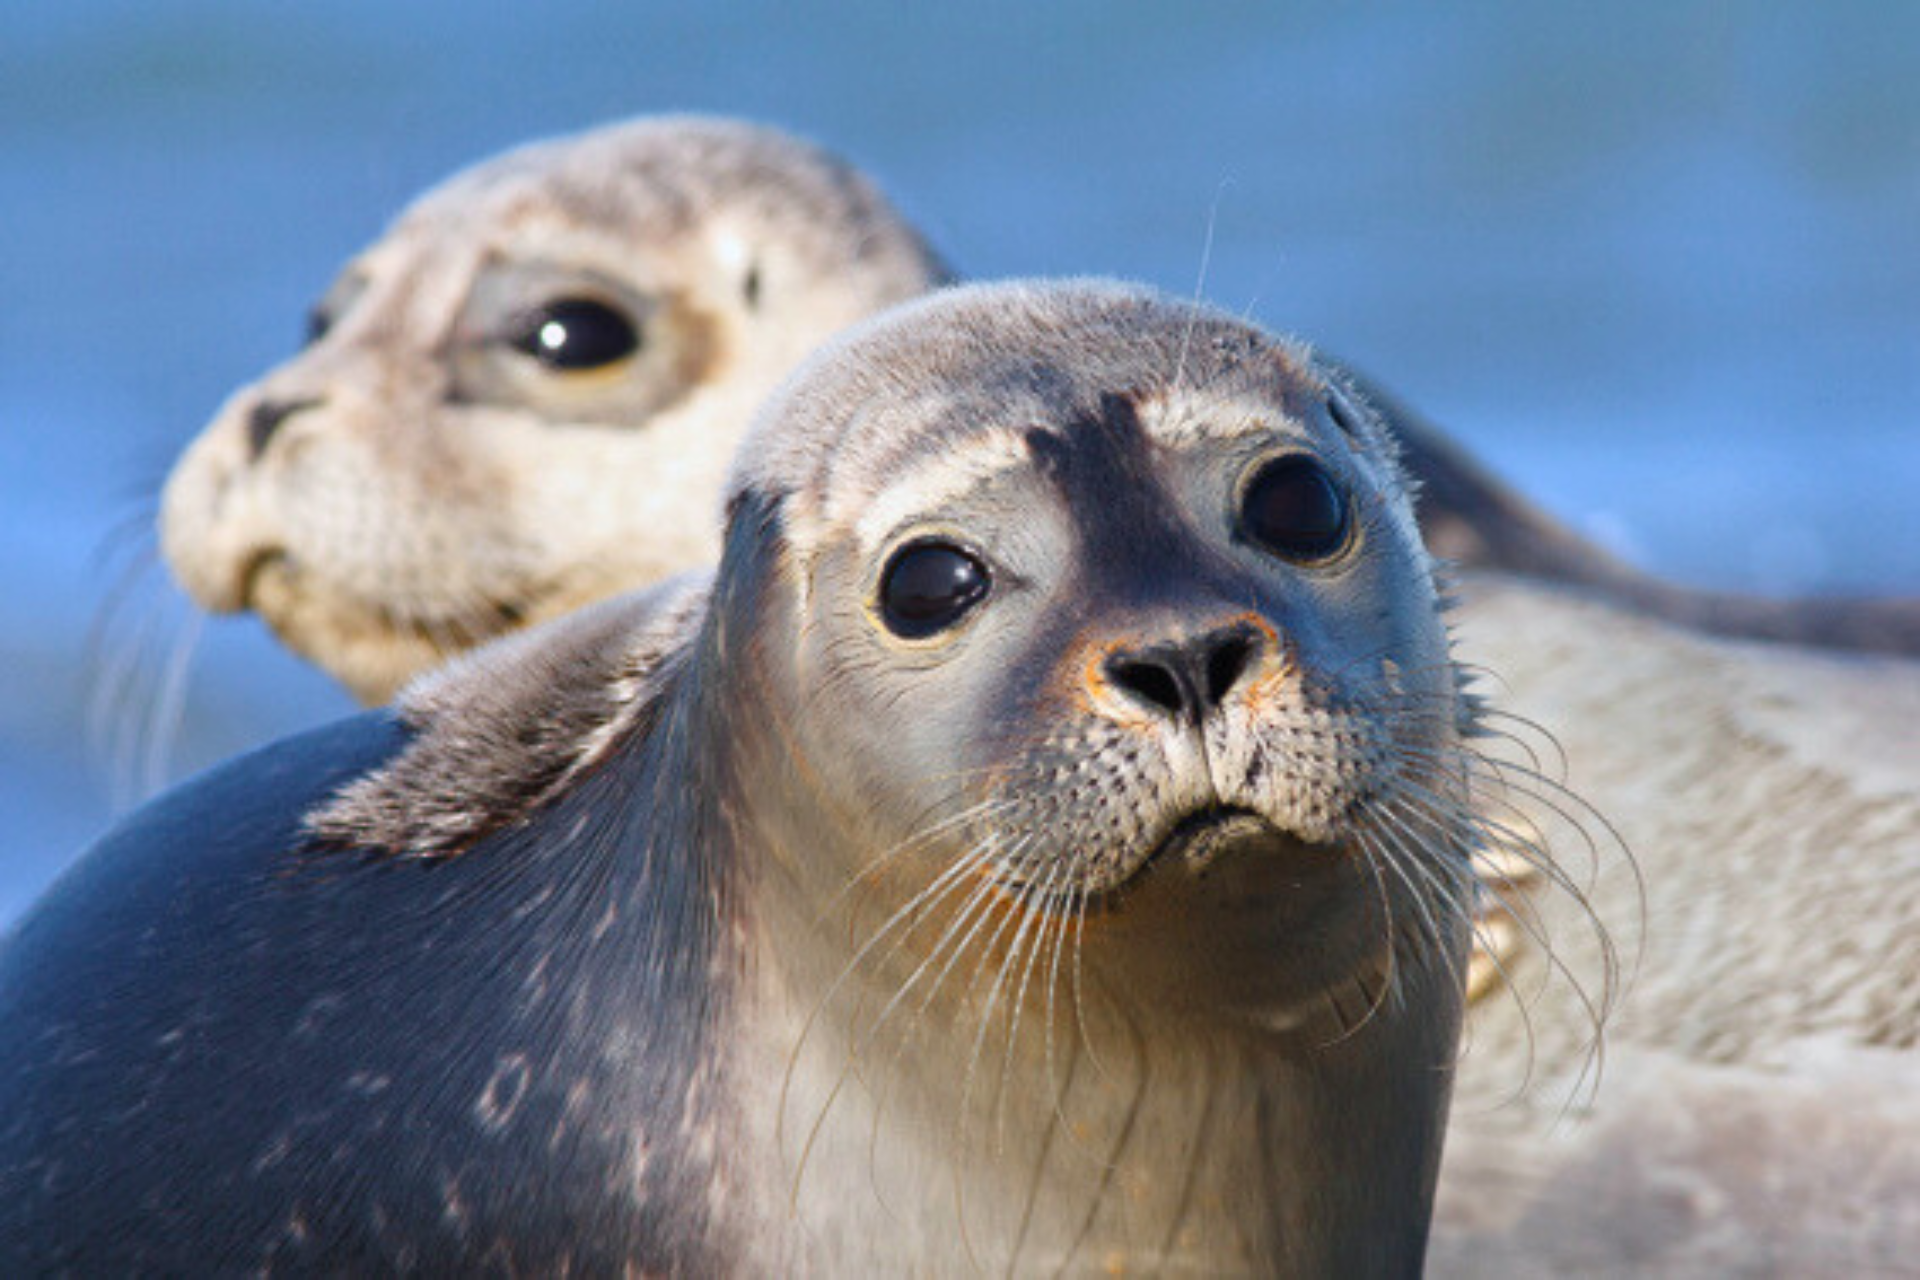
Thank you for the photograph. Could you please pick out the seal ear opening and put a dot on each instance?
(754, 542)
(751, 516)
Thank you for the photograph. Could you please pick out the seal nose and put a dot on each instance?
(266, 418)
(1186, 679)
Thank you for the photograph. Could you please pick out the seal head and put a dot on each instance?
(543, 355)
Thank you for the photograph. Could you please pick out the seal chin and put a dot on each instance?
(369, 646)
(1212, 839)
(1208, 835)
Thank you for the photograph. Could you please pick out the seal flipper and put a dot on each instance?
(502, 730)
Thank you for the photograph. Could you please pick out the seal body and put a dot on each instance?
(1752, 1106)
(1043, 845)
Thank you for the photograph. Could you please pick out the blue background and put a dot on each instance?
(1659, 263)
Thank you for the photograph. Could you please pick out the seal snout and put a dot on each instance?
(1186, 678)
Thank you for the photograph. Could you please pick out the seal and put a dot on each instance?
(542, 358)
(522, 399)
(1475, 520)
(1754, 1112)
(1043, 845)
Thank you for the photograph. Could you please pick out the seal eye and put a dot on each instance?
(571, 334)
(1293, 509)
(929, 586)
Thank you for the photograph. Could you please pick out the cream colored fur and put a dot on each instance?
(1757, 1106)
(397, 520)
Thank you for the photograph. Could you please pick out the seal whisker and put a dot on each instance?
(963, 1115)
(1399, 848)
(983, 893)
(134, 703)
(1046, 923)
(1194, 311)
(1079, 984)
(862, 1040)
(1515, 843)
(1067, 925)
(1449, 886)
(1570, 808)
(170, 704)
(1351, 1026)
(935, 890)
(1497, 777)
(978, 893)
(1598, 1008)
(923, 835)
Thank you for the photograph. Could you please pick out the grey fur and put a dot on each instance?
(503, 730)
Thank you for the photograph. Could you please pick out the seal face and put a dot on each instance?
(544, 357)
(1044, 845)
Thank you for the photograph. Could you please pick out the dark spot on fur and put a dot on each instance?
(750, 290)
(1049, 450)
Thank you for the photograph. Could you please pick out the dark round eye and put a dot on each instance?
(1293, 509)
(575, 333)
(929, 586)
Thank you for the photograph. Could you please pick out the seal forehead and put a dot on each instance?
(963, 373)
(664, 175)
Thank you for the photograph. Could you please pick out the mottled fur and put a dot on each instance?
(1753, 1111)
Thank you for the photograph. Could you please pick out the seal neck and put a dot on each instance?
(976, 1091)
(945, 1085)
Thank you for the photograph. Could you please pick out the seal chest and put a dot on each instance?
(1043, 844)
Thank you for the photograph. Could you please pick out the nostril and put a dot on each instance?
(1190, 678)
(266, 419)
(1225, 665)
(1151, 682)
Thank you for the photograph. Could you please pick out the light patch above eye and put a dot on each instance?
(1195, 418)
(935, 483)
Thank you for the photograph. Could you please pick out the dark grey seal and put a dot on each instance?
(1044, 846)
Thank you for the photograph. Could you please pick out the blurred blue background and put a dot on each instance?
(1657, 263)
